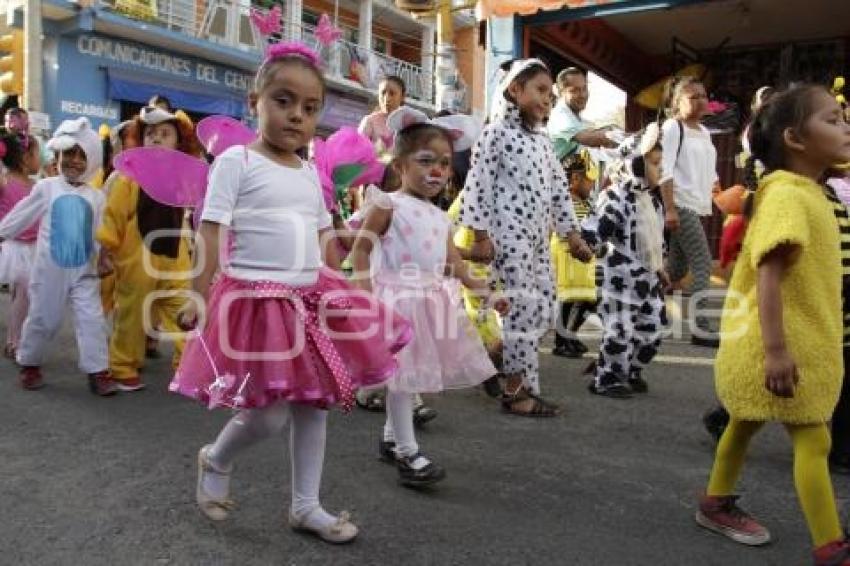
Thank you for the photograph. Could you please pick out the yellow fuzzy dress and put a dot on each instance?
(789, 209)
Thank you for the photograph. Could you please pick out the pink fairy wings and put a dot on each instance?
(290, 49)
(217, 133)
(326, 32)
(169, 177)
(343, 150)
(267, 24)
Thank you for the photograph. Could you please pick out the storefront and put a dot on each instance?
(736, 46)
(107, 79)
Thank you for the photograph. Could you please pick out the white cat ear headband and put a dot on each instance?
(463, 130)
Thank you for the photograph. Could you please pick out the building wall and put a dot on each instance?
(400, 47)
(470, 62)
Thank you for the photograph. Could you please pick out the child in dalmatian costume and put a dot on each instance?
(628, 219)
(515, 194)
(64, 269)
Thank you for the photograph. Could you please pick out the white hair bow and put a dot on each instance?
(463, 129)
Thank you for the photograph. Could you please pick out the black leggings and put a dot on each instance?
(566, 328)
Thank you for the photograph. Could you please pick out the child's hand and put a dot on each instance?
(105, 264)
(671, 220)
(780, 373)
(482, 250)
(499, 303)
(664, 278)
(579, 248)
(187, 316)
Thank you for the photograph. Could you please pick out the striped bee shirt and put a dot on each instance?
(843, 217)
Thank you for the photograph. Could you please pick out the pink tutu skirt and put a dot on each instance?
(446, 352)
(266, 341)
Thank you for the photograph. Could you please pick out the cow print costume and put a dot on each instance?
(517, 191)
(631, 294)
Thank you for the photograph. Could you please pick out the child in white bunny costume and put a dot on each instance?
(65, 265)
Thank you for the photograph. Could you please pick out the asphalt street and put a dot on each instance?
(90, 481)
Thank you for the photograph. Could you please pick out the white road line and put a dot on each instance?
(659, 359)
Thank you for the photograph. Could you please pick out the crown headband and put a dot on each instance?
(284, 49)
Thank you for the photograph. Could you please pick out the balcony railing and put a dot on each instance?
(227, 22)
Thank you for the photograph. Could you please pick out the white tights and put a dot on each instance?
(306, 447)
(399, 425)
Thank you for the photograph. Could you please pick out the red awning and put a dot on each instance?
(486, 8)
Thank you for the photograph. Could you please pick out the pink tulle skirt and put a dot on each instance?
(266, 341)
(446, 352)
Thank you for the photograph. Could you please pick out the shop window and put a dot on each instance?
(379, 44)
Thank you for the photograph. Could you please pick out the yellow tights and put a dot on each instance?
(811, 473)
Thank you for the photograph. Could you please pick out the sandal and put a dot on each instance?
(539, 408)
(492, 387)
(372, 402)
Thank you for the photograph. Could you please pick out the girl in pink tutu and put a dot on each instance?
(20, 155)
(402, 254)
(278, 322)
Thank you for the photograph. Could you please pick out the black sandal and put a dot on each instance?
(539, 409)
(374, 402)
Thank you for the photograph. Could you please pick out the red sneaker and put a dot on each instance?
(836, 553)
(722, 515)
(133, 383)
(30, 378)
(101, 383)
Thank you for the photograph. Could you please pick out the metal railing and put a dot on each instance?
(227, 22)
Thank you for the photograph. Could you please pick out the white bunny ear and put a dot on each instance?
(405, 116)
(463, 129)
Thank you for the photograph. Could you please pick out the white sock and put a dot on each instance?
(400, 416)
(420, 462)
(315, 518)
(307, 453)
(216, 485)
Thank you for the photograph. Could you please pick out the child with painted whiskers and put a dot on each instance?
(416, 251)
(279, 322)
(787, 280)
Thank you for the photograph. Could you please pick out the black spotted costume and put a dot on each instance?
(631, 295)
(517, 191)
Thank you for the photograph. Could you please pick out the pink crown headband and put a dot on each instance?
(291, 49)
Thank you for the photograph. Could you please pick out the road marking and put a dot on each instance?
(659, 359)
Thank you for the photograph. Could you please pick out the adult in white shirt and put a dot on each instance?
(689, 173)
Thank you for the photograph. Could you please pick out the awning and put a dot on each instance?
(502, 8)
(135, 86)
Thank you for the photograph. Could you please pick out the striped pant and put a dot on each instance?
(689, 249)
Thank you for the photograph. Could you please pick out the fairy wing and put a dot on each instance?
(217, 133)
(168, 176)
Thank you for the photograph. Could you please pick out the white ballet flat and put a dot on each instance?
(340, 531)
(215, 509)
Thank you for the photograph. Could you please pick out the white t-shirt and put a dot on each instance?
(695, 171)
(274, 214)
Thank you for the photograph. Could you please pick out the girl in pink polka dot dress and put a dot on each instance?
(403, 253)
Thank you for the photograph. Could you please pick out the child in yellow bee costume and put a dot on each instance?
(576, 281)
(152, 270)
